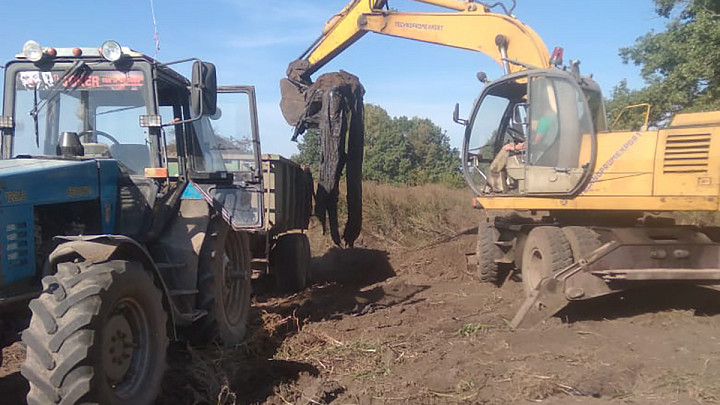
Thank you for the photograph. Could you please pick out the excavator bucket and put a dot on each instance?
(292, 103)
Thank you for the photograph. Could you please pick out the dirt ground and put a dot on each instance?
(411, 327)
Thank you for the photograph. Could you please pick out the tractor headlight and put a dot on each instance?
(33, 51)
(111, 51)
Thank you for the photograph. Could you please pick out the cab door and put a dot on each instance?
(530, 134)
(230, 143)
(560, 137)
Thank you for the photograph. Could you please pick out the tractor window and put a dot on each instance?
(224, 141)
(102, 107)
(206, 147)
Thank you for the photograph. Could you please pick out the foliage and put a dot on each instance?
(398, 150)
(681, 66)
(309, 148)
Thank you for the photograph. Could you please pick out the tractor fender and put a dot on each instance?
(101, 248)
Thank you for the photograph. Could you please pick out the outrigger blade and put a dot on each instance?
(547, 300)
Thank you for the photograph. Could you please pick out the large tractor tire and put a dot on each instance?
(290, 259)
(546, 251)
(583, 241)
(486, 253)
(98, 334)
(224, 284)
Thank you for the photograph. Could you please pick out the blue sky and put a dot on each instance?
(251, 42)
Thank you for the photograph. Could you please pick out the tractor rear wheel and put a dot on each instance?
(224, 284)
(290, 259)
(546, 251)
(97, 335)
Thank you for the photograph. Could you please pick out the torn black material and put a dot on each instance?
(334, 105)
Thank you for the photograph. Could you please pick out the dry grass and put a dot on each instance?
(397, 217)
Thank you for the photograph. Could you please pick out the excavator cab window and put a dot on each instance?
(530, 135)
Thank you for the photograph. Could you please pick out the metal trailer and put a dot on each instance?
(281, 247)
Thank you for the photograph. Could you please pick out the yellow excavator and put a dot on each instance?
(579, 210)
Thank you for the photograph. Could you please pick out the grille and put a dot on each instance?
(686, 153)
(16, 244)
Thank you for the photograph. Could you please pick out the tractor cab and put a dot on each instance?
(106, 141)
(533, 133)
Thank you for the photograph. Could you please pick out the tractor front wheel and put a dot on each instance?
(97, 335)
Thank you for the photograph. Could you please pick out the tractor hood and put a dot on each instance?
(45, 181)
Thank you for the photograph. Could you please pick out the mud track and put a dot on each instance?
(411, 327)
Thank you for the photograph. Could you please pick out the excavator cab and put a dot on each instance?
(531, 133)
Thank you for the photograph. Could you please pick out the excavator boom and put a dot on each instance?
(472, 26)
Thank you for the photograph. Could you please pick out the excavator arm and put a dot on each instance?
(472, 26)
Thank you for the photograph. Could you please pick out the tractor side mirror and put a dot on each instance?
(203, 93)
(456, 116)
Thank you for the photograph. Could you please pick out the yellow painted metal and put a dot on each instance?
(630, 107)
(452, 4)
(603, 203)
(704, 118)
(470, 28)
(673, 169)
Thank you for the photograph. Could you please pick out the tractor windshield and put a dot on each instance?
(101, 106)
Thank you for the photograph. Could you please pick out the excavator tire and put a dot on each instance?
(546, 251)
(290, 259)
(486, 253)
(224, 284)
(583, 241)
(97, 335)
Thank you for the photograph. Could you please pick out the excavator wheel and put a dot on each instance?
(487, 252)
(583, 241)
(546, 251)
(97, 335)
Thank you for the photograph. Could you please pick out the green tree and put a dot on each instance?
(681, 65)
(435, 161)
(309, 149)
(388, 154)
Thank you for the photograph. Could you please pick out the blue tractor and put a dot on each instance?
(120, 225)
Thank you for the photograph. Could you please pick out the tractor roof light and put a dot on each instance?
(33, 51)
(111, 51)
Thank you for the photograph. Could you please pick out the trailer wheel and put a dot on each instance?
(97, 335)
(546, 251)
(290, 259)
(486, 253)
(224, 284)
(583, 241)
